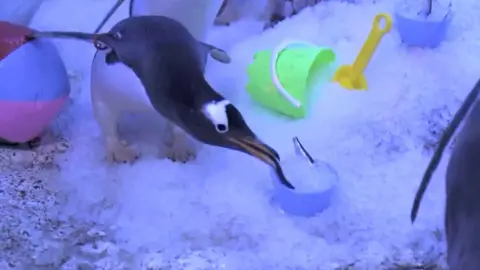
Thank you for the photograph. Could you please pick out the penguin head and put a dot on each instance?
(131, 41)
(218, 122)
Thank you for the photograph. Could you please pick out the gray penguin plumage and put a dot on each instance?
(462, 209)
(168, 60)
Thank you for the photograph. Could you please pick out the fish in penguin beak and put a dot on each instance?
(88, 37)
(256, 148)
(100, 41)
(63, 34)
(105, 38)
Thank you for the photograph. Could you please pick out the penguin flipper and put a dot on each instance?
(216, 53)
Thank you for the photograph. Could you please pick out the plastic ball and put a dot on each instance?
(34, 84)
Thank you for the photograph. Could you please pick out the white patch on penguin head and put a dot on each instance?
(216, 112)
(100, 45)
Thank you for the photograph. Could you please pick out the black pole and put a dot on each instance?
(429, 7)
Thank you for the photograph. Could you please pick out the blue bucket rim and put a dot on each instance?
(278, 186)
(399, 11)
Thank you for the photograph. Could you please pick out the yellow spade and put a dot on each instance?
(351, 77)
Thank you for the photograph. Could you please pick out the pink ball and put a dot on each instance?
(34, 84)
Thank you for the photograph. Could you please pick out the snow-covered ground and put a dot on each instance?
(63, 207)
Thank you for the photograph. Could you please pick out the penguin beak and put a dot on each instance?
(256, 148)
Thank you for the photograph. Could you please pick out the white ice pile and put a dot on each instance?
(213, 212)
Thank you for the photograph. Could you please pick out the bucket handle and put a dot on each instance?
(273, 71)
(449, 10)
(301, 151)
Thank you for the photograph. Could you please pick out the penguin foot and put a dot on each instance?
(120, 152)
(220, 22)
(180, 148)
(274, 20)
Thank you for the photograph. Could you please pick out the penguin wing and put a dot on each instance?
(216, 53)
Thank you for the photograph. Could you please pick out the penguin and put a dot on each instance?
(462, 207)
(167, 61)
(228, 11)
(231, 10)
(116, 90)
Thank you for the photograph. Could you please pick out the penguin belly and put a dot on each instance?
(117, 87)
(196, 15)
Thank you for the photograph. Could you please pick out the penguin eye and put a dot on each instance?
(100, 45)
(117, 35)
(216, 112)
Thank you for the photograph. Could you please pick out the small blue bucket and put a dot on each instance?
(421, 31)
(306, 203)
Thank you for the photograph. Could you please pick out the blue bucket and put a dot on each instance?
(306, 203)
(421, 31)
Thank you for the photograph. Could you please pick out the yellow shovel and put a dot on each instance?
(351, 77)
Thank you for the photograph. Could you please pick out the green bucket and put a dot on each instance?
(298, 67)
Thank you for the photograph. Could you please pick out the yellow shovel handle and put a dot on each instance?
(371, 43)
(376, 23)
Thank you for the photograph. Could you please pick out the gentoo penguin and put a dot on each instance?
(231, 10)
(462, 208)
(168, 62)
(115, 89)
